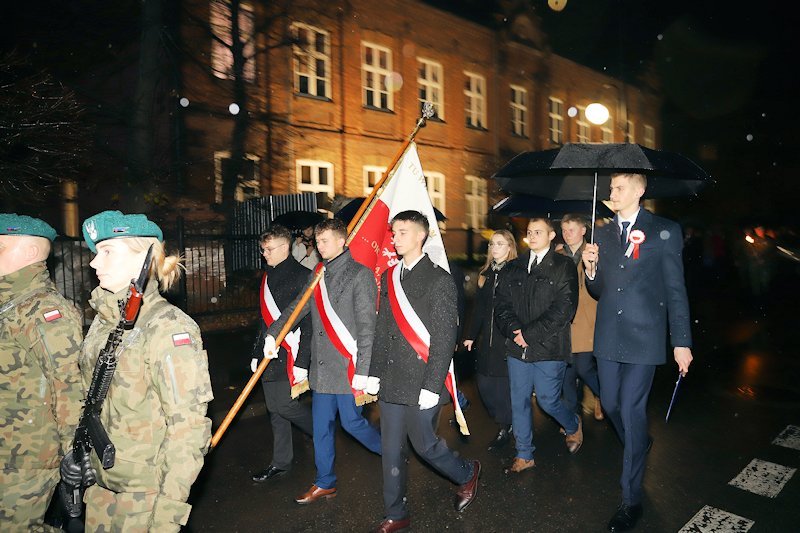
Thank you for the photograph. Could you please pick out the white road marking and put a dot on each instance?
(712, 520)
(763, 478)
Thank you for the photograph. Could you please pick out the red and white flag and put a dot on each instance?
(372, 244)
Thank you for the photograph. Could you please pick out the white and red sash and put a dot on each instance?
(418, 336)
(339, 335)
(270, 313)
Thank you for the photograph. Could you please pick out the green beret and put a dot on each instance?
(111, 224)
(14, 224)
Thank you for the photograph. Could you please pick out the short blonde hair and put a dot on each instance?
(166, 268)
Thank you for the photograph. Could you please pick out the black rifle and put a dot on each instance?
(90, 434)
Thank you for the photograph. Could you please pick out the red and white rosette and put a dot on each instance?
(636, 238)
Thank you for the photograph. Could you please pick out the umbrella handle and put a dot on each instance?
(594, 205)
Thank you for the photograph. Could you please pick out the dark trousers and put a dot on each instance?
(584, 367)
(403, 423)
(324, 408)
(624, 389)
(283, 412)
(495, 392)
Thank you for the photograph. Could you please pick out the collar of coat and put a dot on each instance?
(338, 263)
(523, 260)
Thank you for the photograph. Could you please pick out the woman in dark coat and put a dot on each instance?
(492, 371)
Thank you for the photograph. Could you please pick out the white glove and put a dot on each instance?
(254, 364)
(270, 350)
(359, 382)
(373, 385)
(299, 374)
(427, 399)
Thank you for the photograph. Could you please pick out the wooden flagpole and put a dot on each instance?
(352, 228)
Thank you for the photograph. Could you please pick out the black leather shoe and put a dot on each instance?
(268, 474)
(625, 518)
(501, 439)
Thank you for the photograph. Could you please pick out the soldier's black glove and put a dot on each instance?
(71, 473)
(89, 473)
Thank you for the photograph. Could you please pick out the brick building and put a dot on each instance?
(332, 90)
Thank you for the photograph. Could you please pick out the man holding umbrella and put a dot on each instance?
(636, 272)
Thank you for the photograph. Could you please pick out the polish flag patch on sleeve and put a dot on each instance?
(49, 316)
(181, 339)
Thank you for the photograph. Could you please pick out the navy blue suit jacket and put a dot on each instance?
(638, 297)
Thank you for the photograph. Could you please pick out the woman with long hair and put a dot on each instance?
(155, 410)
(492, 370)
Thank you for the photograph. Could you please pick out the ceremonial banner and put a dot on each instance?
(372, 244)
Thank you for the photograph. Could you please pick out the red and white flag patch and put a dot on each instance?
(181, 339)
(49, 316)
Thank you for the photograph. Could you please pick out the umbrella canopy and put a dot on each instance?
(525, 205)
(568, 173)
(298, 220)
(347, 212)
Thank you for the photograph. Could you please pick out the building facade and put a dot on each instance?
(332, 90)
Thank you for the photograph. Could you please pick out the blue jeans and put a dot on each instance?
(323, 410)
(547, 378)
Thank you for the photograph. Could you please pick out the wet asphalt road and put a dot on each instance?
(742, 392)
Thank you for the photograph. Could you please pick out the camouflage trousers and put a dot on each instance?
(24, 497)
(129, 512)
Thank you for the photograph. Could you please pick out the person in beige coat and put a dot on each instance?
(573, 230)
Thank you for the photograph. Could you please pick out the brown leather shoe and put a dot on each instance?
(389, 526)
(519, 465)
(315, 493)
(467, 492)
(575, 440)
(598, 410)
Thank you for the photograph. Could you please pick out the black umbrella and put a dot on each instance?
(568, 173)
(525, 205)
(347, 212)
(298, 220)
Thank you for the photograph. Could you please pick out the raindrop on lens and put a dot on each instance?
(749, 137)
(184, 102)
(213, 299)
(234, 109)
(664, 234)
(395, 471)
(572, 111)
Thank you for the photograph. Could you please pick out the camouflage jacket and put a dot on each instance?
(40, 387)
(155, 409)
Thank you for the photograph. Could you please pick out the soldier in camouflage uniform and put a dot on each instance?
(155, 411)
(40, 389)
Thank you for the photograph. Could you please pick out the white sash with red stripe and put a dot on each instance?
(339, 335)
(270, 313)
(418, 336)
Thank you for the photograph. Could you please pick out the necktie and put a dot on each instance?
(403, 271)
(623, 237)
(534, 263)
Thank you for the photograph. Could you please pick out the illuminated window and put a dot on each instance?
(431, 85)
(311, 60)
(477, 202)
(435, 181)
(630, 133)
(475, 100)
(519, 111)
(607, 131)
(221, 54)
(248, 184)
(583, 131)
(314, 176)
(372, 175)
(555, 112)
(649, 136)
(376, 68)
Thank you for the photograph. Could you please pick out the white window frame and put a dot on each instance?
(477, 202)
(475, 100)
(430, 80)
(374, 171)
(555, 114)
(241, 184)
(314, 186)
(583, 129)
(649, 140)
(221, 55)
(519, 110)
(630, 133)
(306, 60)
(437, 195)
(375, 77)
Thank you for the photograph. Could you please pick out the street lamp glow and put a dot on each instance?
(596, 113)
